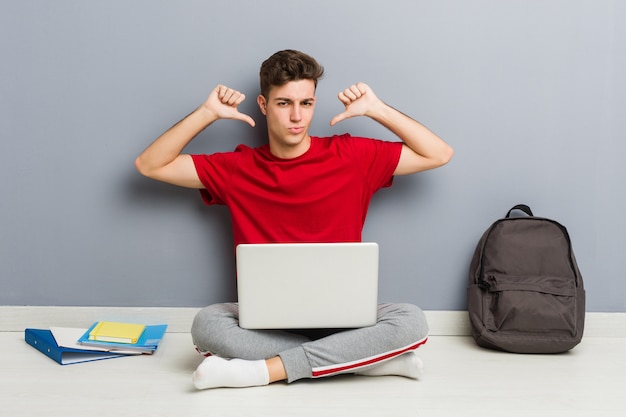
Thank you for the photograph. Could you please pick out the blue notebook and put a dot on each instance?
(44, 341)
(147, 343)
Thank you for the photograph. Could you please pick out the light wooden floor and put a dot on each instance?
(460, 380)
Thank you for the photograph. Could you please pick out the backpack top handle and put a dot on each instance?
(522, 207)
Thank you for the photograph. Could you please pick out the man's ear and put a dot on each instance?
(262, 102)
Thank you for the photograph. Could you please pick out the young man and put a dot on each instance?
(297, 188)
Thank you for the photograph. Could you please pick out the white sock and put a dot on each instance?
(407, 364)
(216, 372)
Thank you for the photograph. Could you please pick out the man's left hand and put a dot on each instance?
(359, 100)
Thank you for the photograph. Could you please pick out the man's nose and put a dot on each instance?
(295, 113)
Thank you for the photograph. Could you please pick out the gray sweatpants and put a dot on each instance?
(312, 354)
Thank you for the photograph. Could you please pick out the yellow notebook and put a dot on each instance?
(108, 331)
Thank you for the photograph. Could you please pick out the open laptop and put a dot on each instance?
(307, 285)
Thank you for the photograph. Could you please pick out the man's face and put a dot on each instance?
(289, 110)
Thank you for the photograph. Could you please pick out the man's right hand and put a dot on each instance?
(164, 161)
(222, 103)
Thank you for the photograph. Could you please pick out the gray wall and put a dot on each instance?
(531, 94)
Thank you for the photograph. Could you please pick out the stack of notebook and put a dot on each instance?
(103, 340)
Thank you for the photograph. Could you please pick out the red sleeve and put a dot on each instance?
(376, 158)
(214, 172)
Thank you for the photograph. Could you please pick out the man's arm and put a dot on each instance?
(422, 148)
(163, 160)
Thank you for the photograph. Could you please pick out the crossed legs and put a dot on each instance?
(265, 356)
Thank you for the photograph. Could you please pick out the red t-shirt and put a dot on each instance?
(320, 196)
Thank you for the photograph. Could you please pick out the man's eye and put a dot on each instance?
(282, 103)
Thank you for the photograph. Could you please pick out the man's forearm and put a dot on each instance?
(171, 143)
(415, 135)
(423, 149)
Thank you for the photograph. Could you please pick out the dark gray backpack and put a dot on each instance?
(525, 292)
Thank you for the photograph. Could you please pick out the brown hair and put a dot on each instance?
(288, 65)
